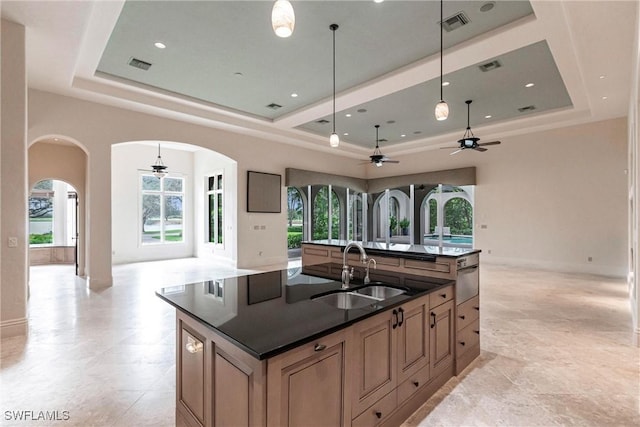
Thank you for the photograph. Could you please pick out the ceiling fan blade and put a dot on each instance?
(490, 143)
(391, 161)
(364, 162)
(456, 152)
(448, 148)
(480, 149)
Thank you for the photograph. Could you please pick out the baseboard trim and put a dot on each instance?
(14, 328)
(97, 284)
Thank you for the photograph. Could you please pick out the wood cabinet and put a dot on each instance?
(217, 384)
(390, 349)
(306, 386)
(442, 337)
(467, 333)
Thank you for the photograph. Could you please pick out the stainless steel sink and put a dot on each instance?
(380, 292)
(363, 297)
(346, 300)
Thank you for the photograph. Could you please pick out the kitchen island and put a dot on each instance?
(262, 350)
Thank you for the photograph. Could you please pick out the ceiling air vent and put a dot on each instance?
(489, 66)
(274, 106)
(527, 108)
(138, 63)
(454, 22)
(322, 121)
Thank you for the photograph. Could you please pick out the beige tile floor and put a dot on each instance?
(557, 349)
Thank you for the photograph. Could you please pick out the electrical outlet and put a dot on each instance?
(12, 242)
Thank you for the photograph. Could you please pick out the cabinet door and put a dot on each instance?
(374, 365)
(309, 382)
(413, 337)
(231, 392)
(441, 339)
(191, 368)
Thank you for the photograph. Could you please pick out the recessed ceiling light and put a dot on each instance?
(294, 95)
(160, 45)
(487, 6)
(602, 77)
(238, 74)
(529, 85)
(604, 97)
(488, 116)
(348, 115)
(378, 1)
(403, 135)
(445, 83)
(346, 134)
(362, 110)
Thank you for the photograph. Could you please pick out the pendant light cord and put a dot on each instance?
(441, 49)
(334, 27)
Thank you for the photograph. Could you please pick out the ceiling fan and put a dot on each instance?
(469, 140)
(377, 158)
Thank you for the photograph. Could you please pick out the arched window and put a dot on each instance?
(295, 215)
(321, 215)
(458, 216)
(433, 215)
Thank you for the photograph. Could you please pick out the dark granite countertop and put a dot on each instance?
(402, 250)
(269, 313)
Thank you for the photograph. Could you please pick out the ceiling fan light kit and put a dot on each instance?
(158, 168)
(334, 139)
(377, 158)
(283, 19)
(469, 140)
(442, 109)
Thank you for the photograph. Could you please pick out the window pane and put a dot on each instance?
(220, 227)
(40, 220)
(212, 185)
(219, 182)
(150, 183)
(173, 218)
(47, 184)
(212, 218)
(173, 184)
(151, 226)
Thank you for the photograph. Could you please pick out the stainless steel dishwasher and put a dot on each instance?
(467, 284)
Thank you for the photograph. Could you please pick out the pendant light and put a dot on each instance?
(159, 169)
(334, 139)
(283, 19)
(442, 109)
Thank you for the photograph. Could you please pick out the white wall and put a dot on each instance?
(127, 162)
(548, 199)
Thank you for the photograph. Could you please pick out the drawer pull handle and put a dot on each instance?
(477, 308)
(477, 332)
(401, 313)
(462, 343)
(193, 346)
(319, 347)
(433, 317)
(378, 414)
(395, 319)
(462, 317)
(416, 383)
(443, 295)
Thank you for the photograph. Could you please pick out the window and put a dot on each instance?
(41, 213)
(162, 209)
(215, 212)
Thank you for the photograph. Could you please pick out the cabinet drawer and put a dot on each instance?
(439, 266)
(377, 412)
(413, 384)
(468, 312)
(315, 251)
(441, 296)
(468, 338)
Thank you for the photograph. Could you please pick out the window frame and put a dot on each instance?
(218, 190)
(163, 194)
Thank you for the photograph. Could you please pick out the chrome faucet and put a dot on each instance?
(366, 276)
(346, 274)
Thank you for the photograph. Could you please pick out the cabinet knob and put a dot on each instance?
(462, 343)
(462, 317)
(416, 383)
(193, 346)
(378, 414)
(319, 347)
